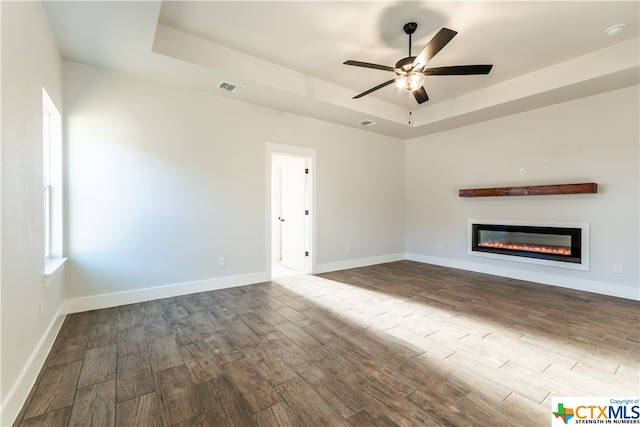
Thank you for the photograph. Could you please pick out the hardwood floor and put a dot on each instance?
(397, 344)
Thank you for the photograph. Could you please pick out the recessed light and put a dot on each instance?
(615, 30)
(366, 122)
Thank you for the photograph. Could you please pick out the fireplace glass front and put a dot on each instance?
(540, 242)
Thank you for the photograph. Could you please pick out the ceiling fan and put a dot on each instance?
(411, 71)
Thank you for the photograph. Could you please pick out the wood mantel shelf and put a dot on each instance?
(532, 190)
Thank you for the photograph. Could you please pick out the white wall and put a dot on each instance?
(30, 60)
(593, 139)
(163, 180)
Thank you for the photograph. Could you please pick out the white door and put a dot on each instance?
(293, 218)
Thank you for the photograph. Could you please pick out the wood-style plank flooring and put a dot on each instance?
(397, 344)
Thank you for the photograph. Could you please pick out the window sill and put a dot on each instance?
(53, 267)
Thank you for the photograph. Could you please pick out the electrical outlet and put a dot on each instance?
(545, 169)
(522, 172)
(220, 262)
(347, 249)
(617, 268)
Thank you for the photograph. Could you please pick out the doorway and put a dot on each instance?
(291, 200)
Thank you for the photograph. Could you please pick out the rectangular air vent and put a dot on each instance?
(230, 87)
(367, 123)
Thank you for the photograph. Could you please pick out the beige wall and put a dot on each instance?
(164, 180)
(593, 139)
(30, 61)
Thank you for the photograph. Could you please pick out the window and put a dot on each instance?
(52, 180)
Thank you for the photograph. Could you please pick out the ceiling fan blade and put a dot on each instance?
(421, 95)
(457, 70)
(369, 65)
(373, 89)
(434, 46)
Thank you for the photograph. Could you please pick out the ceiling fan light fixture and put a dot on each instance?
(410, 81)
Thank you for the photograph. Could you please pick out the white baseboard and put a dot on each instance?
(355, 263)
(19, 393)
(542, 278)
(96, 302)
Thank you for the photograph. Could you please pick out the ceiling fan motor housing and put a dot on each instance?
(405, 64)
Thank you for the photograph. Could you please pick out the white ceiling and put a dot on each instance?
(289, 55)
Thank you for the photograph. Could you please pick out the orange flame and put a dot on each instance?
(555, 250)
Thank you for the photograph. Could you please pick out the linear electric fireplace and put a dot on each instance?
(557, 244)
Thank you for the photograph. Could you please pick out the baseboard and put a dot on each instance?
(601, 288)
(355, 263)
(19, 393)
(96, 302)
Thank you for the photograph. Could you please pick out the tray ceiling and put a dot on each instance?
(289, 55)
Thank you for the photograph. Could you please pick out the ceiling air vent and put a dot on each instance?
(367, 123)
(230, 87)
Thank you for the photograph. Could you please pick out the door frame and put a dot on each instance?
(310, 155)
